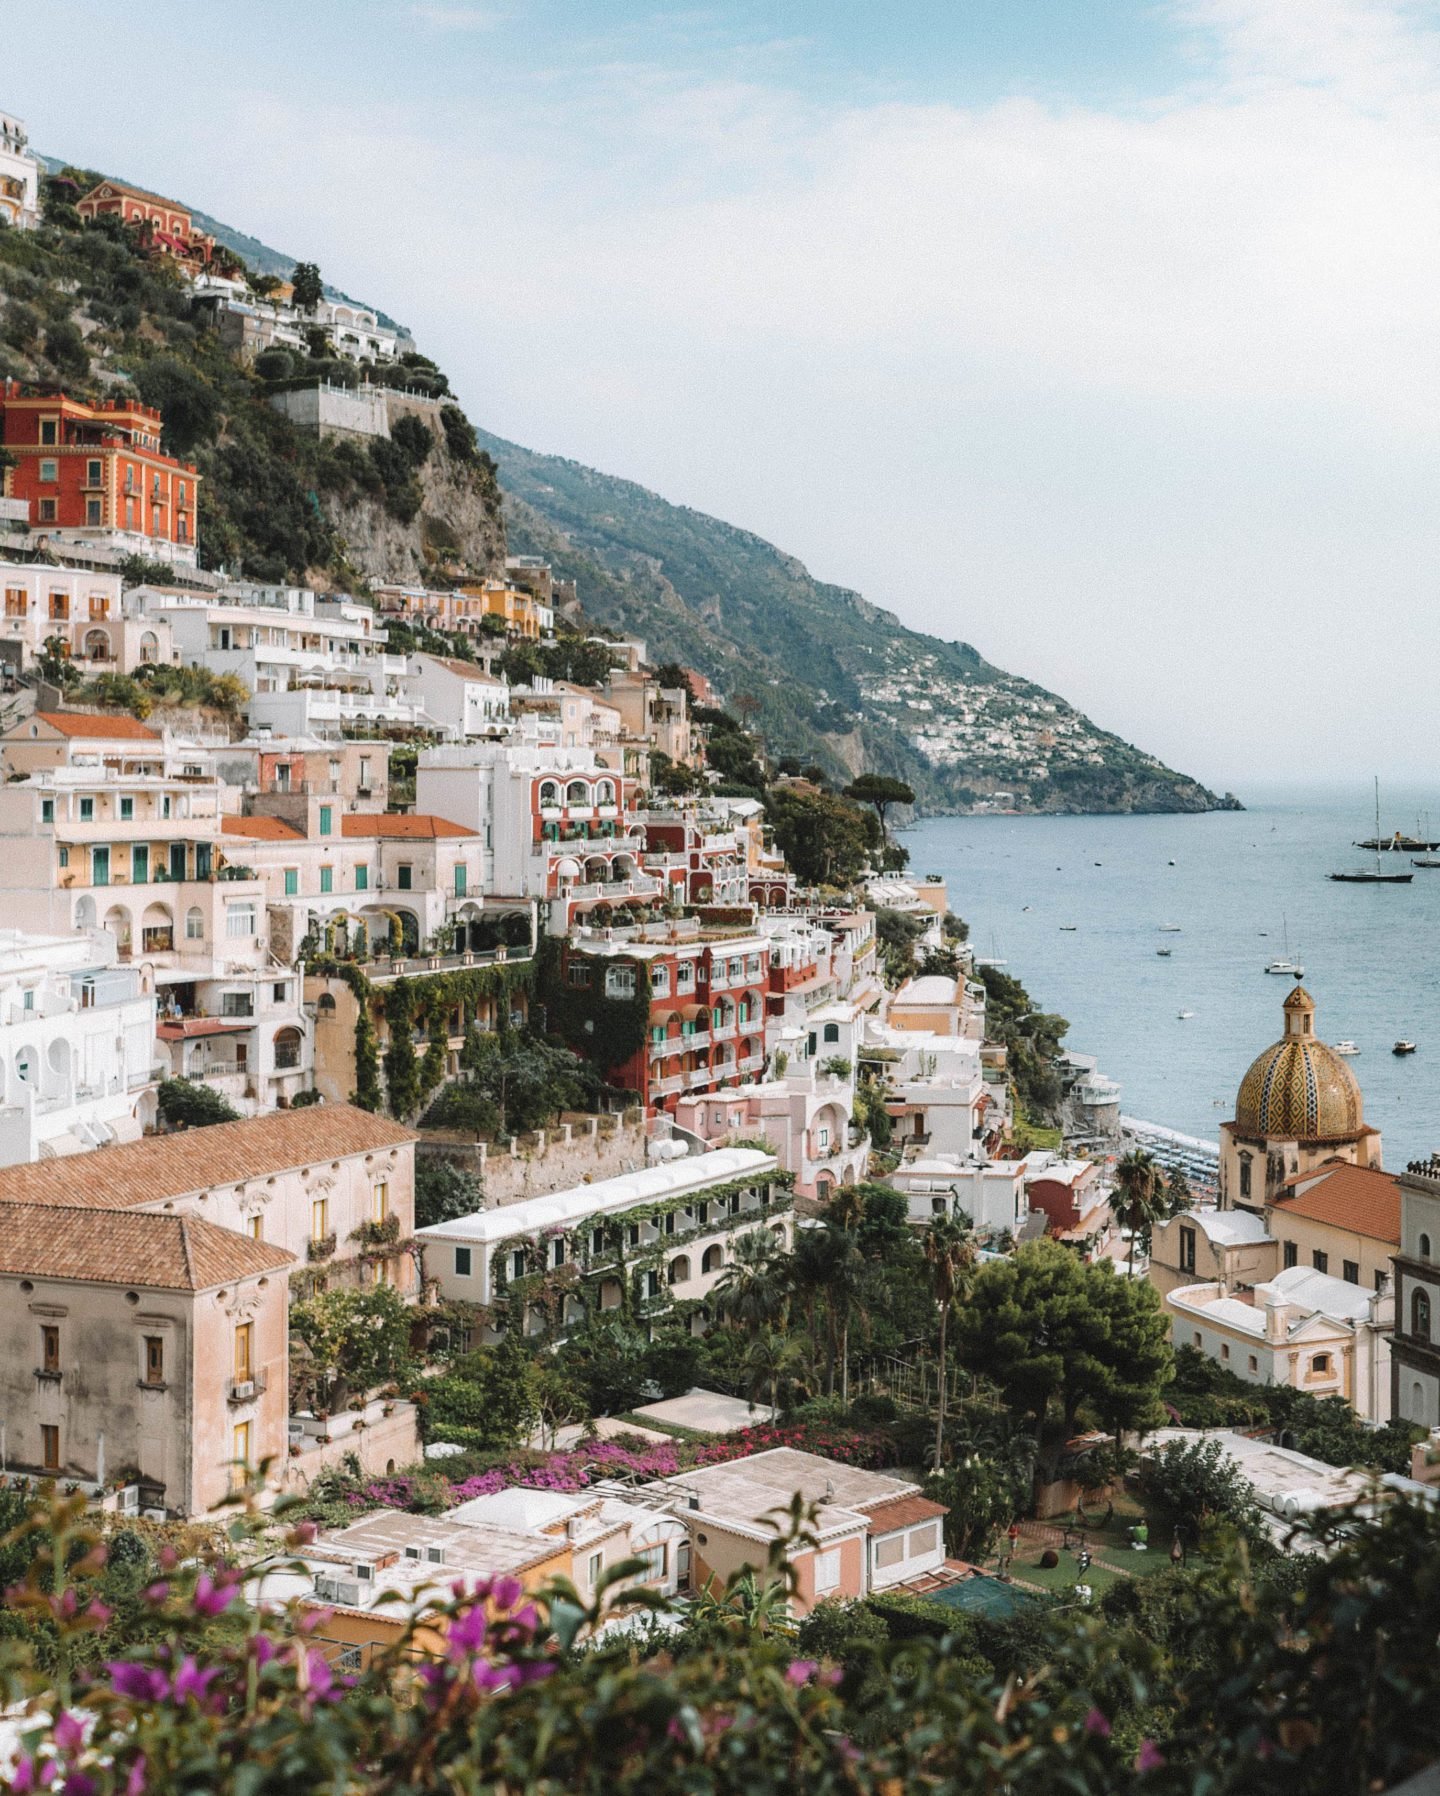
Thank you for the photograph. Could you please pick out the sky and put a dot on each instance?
(1099, 334)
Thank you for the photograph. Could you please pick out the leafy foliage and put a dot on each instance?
(190, 1104)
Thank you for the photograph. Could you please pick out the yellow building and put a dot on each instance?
(520, 611)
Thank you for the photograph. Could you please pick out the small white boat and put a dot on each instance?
(1403, 1046)
(1169, 929)
(1184, 1014)
(1068, 928)
(1282, 963)
(1164, 953)
(1346, 1047)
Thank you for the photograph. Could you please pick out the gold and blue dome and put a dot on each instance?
(1299, 1089)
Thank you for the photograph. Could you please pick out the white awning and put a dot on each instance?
(126, 1128)
(59, 1146)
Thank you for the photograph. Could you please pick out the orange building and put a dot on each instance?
(97, 468)
(165, 225)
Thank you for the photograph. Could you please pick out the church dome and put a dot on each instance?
(1299, 1089)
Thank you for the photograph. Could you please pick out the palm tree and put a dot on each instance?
(827, 1267)
(1139, 1193)
(753, 1287)
(769, 1358)
(950, 1254)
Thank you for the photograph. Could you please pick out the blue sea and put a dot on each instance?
(1371, 953)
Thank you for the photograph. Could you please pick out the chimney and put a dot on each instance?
(1277, 1316)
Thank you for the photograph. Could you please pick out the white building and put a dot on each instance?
(991, 1193)
(77, 1047)
(602, 1530)
(694, 1210)
(19, 176)
(310, 664)
(459, 696)
(1303, 1328)
(84, 610)
(807, 1117)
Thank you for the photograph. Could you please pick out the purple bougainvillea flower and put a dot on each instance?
(467, 1633)
(97, 1612)
(1149, 1757)
(1095, 1723)
(141, 1683)
(800, 1671)
(135, 1782)
(193, 1684)
(79, 1783)
(263, 1649)
(211, 1598)
(156, 1593)
(69, 1733)
(319, 1677)
(508, 1592)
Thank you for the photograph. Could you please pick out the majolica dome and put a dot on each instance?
(1299, 1089)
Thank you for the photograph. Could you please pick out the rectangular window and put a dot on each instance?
(362, 879)
(597, 1240)
(577, 974)
(517, 1262)
(1350, 1272)
(99, 866)
(659, 982)
(557, 1252)
(202, 853)
(327, 819)
(327, 879)
(49, 1447)
(923, 1540)
(380, 1201)
(49, 432)
(256, 1228)
(16, 602)
(292, 881)
(47, 810)
(87, 810)
(29, 1003)
(50, 1348)
(459, 882)
(64, 857)
(195, 924)
(242, 1450)
(1291, 1254)
(244, 1352)
(49, 471)
(403, 876)
(887, 1553)
(1187, 1250)
(239, 920)
(139, 864)
(1254, 1363)
(92, 473)
(827, 1570)
(155, 1357)
(277, 992)
(595, 1568)
(619, 982)
(1320, 1261)
(127, 809)
(319, 1218)
(462, 1262)
(236, 1004)
(47, 511)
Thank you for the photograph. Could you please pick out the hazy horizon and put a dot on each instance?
(1099, 337)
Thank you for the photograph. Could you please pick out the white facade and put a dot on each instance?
(84, 610)
(463, 700)
(990, 1192)
(77, 1047)
(19, 176)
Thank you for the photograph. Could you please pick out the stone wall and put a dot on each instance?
(587, 1148)
(383, 1443)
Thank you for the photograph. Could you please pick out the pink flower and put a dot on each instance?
(800, 1671)
(97, 1612)
(1095, 1723)
(508, 1592)
(211, 1598)
(69, 1733)
(156, 1593)
(263, 1649)
(192, 1684)
(135, 1782)
(1149, 1757)
(318, 1676)
(140, 1683)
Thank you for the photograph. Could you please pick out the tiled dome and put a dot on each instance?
(1299, 1089)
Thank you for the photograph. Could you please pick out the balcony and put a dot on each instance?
(244, 1390)
(679, 1044)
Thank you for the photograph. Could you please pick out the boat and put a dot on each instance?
(1346, 1047)
(1426, 860)
(1068, 928)
(1282, 963)
(1185, 1015)
(1169, 929)
(1164, 953)
(1362, 876)
(1403, 1046)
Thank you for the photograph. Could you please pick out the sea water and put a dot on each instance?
(1233, 881)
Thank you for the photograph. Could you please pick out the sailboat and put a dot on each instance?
(1362, 876)
(1282, 963)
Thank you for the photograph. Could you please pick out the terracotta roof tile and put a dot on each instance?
(260, 829)
(393, 826)
(1361, 1199)
(95, 728)
(166, 1166)
(165, 1253)
(900, 1512)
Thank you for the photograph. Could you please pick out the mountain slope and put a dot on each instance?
(827, 675)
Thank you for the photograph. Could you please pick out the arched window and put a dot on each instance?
(549, 795)
(194, 924)
(679, 1269)
(604, 793)
(1419, 1315)
(1320, 1363)
(577, 792)
(325, 1004)
(287, 1050)
(1424, 1247)
(714, 1259)
(832, 1032)
(1244, 1175)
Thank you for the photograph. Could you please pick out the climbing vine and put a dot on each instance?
(606, 1031)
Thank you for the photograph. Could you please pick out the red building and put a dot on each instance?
(96, 467)
(164, 225)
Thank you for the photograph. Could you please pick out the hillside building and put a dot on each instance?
(19, 176)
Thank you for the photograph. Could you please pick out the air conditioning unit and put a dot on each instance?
(337, 1590)
(243, 1389)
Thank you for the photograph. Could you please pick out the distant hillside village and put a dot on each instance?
(430, 1024)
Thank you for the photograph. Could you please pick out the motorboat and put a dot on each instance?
(1169, 929)
(1403, 1046)
(1346, 1047)
(1068, 928)
(1185, 1015)
(1164, 953)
